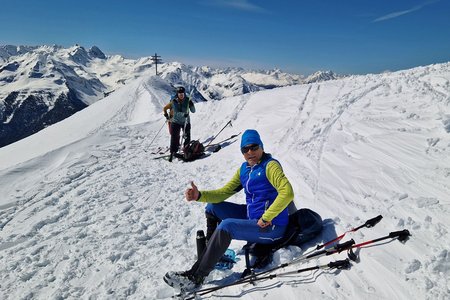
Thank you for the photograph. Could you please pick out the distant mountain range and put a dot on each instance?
(42, 85)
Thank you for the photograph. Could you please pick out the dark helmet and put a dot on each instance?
(180, 89)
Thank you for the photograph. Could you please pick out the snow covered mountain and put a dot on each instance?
(86, 213)
(321, 76)
(42, 85)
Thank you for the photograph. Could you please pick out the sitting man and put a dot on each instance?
(263, 219)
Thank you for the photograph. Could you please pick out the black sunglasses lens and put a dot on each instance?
(249, 147)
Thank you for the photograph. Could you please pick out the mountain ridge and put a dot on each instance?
(41, 85)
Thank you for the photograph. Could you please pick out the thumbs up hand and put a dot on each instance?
(192, 193)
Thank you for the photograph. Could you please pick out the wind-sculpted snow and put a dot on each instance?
(87, 213)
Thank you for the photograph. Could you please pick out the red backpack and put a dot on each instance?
(193, 150)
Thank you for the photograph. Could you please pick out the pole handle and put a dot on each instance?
(374, 221)
(369, 223)
(340, 264)
(344, 246)
(402, 235)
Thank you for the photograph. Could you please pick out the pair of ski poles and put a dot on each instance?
(401, 235)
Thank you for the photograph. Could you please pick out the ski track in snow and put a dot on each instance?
(98, 219)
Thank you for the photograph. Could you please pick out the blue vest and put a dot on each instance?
(259, 192)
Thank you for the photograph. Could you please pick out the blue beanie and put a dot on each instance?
(251, 136)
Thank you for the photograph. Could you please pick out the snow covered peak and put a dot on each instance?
(95, 52)
(79, 55)
(6, 51)
(114, 71)
(321, 76)
(35, 77)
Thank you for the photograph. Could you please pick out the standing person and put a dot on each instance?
(263, 219)
(178, 118)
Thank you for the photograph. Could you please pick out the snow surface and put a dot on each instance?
(85, 212)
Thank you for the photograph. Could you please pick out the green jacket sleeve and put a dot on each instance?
(219, 195)
(276, 177)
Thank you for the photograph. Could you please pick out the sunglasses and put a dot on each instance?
(247, 148)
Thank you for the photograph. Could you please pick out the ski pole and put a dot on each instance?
(335, 249)
(185, 120)
(217, 146)
(338, 248)
(224, 140)
(156, 135)
(349, 245)
(368, 224)
(401, 235)
(340, 264)
(229, 122)
(183, 137)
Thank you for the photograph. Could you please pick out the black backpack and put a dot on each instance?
(304, 225)
(193, 150)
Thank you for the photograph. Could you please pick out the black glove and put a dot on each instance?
(167, 116)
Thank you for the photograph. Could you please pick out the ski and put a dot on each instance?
(222, 141)
(209, 149)
(228, 123)
(178, 156)
(165, 156)
(160, 150)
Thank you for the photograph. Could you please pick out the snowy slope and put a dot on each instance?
(86, 213)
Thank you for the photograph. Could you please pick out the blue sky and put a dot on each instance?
(346, 36)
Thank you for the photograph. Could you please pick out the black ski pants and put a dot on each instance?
(175, 130)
